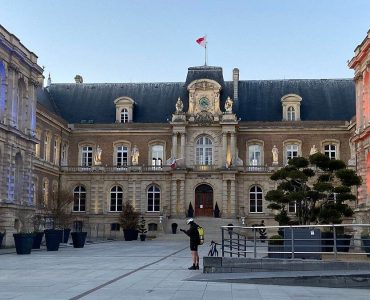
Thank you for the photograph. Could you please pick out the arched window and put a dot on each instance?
(255, 199)
(291, 113)
(79, 196)
(86, 156)
(116, 198)
(154, 198)
(204, 151)
(255, 154)
(124, 115)
(157, 155)
(122, 156)
(47, 146)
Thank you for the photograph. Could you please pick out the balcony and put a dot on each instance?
(115, 169)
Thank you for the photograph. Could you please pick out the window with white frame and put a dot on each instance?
(291, 113)
(154, 198)
(204, 151)
(291, 151)
(330, 151)
(255, 199)
(86, 156)
(116, 198)
(79, 198)
(124, 115)
(255, 155)
(157, 155)
(122, 156)
(37, 147)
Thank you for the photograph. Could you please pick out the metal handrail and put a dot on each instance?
(244, 240)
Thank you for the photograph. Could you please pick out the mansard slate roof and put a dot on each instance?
(259, 100)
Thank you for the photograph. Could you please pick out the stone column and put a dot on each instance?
(174, 145)
(232, 148)
(233, 207)
(182, 149)
(224, 199)
(174, 198)
(224, 149)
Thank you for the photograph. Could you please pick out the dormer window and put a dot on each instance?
(124, 109)
(291, 113)
(291, 107)
(124, 115)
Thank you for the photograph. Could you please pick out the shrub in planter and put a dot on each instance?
(78, 239)
(129, 220)
(24, 238)
(174, 227)
(142, 229)
(38, 222)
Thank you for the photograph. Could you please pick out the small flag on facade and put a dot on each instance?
(202, 41)
(173, 164)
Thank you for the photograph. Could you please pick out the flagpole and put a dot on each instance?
(205, 50)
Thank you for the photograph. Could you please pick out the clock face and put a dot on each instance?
(204, 103)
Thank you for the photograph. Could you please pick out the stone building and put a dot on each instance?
(20, 76)
(360, 63)
(207, 142)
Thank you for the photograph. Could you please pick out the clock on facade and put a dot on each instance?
(204, 103)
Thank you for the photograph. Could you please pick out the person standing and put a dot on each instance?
(192, 232)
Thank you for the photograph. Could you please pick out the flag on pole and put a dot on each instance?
(202, 41)
(173, 164)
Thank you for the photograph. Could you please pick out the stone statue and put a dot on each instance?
(275, 158)
(179, 106)
(313, 150)
(97, 158)
(135, 156)
(229, 105)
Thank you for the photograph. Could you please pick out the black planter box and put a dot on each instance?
(130, 234)
(65, 236)
(343, 242)
(53, 238)
(305, 240)
(23, 242)
(275, 248)
(78, 239)
(1, 238)
(37, 239)
(366, 244)
(327, 241)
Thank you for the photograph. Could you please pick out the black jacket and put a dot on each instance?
(193, 233)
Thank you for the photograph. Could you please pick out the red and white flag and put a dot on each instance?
(173, 164)
(202, 41)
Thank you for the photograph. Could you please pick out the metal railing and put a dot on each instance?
(298, 241)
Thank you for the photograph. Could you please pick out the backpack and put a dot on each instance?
(201, 235)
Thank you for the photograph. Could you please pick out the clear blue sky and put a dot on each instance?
(154, 40)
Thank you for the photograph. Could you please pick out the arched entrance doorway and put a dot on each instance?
(204, 201)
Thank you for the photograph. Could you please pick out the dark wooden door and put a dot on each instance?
(204, 201)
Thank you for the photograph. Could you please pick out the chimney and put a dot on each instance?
(236, 85)
(79, 79)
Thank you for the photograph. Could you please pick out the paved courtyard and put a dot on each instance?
(155, 269)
